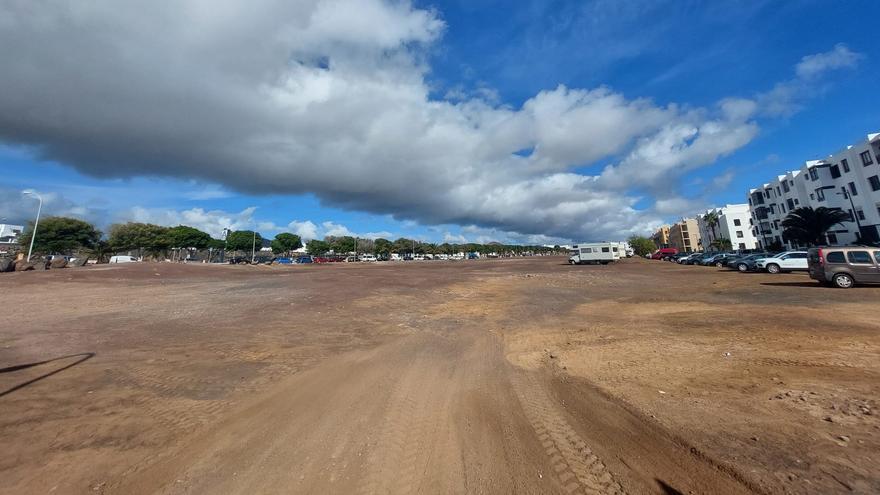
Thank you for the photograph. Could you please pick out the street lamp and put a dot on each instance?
(254, 248)
(31, 192)
(843, 192)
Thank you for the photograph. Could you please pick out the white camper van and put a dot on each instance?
(595, 252)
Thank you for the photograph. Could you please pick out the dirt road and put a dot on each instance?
(515, 376)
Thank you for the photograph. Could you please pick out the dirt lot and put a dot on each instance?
(505, 376)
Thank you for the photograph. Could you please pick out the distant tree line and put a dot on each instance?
(62, 235)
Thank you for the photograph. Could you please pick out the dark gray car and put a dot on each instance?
(844, 266)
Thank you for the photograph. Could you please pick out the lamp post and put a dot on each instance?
(31, 192)
(843, 192)
(225, 244)
(254, 248)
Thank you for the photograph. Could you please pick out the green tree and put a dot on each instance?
(809, 226)
(285, 243)
(243, 240)
(711, 220)
(341, 245)
(722, 244)
(61, 235)
(140, 236)
(382, 247)
(317, 248)
(183, 236)
(642, 245)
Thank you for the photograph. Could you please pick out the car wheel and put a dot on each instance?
(742, 267)
(843, 280)
(773, 268)
(719, 264)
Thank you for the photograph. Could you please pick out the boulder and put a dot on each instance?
(58, 263)
(7, 265)
(23, 266)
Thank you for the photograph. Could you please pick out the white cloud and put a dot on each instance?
(841, 56)
(212, 222)
(330, 97)
(306, 230)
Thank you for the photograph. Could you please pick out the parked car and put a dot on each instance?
(664, 253)
(844, 267)
(367, 258)
(678, 257)
(239, 260)
(787, 261)
(303, 259)
(721, 259)
(694, 259)
(745, 263)
(123, 259)
(283, 261)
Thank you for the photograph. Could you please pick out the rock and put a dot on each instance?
(58, 263)
(6, 265)
(755, 439)
(829, 419)
(23, 266)
(843, 438)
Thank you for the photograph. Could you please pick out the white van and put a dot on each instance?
(123, 259)
(594, 253)
(367, 257)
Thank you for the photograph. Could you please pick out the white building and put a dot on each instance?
(848, 179)
(9, 233)
(734, 223)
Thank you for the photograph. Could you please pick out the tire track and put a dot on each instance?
(575, 466)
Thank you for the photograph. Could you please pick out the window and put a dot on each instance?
(832, 239)
(866, 158)
(778, 191)
(739, 233)
(835, 171)
(814, 173)
(796, 201)
(851, 217)
(737, 222)
(852, 189)
(859, 257)
(835, 257)
(812, 196)
(773, 208)
(860, 213)
(790, 204)
(586, 250)
(743, 246)
(878, 208)
(785, 186)
(845, 165)
(797, 256)
(606, 250)
(877, 256)
(820, 194)
(791, 182)
(875, 182)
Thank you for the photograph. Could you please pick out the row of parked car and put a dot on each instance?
(842, 267)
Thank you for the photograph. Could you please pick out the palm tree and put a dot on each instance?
(711, 220)
(809, 225)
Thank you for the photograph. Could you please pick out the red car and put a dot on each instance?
(663, 253)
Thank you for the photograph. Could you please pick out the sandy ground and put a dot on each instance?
(499, 376)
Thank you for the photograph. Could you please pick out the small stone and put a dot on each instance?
(843, 438)
(754, 439)
(829, 419)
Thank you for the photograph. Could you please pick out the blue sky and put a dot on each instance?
(488, 61)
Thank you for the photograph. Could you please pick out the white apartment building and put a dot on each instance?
(734, 223)
(9, 233)
(848, 179)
